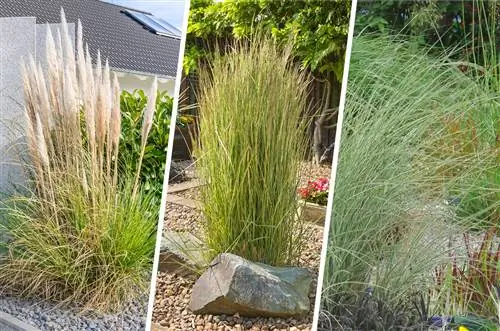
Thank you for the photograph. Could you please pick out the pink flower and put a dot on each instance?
(315, 191)
(304, 192)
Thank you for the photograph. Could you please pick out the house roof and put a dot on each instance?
(124, 41)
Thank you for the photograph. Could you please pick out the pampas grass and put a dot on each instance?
(146, 127)
(85, 234)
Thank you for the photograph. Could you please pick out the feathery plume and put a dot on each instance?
(82, 73)
(41, 144)
(100, 115)
(44, 105)
(106, 81)
(89, 99)
(29, 96)
(30, 132)
(67, 48)
(51, 53)
(69, 93)
(115, 114)
(150, 111)
(98, 69)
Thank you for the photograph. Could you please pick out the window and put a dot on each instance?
(155, 24)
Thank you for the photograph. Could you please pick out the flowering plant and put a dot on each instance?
(316, 191)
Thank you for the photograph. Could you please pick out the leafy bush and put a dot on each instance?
(86, 232)
(251, 142)
(132, 107)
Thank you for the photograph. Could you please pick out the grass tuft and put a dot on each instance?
(85, 233)
(385, 234)
(251, 143)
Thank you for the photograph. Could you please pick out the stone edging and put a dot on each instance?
(11, 323)
(173, 188)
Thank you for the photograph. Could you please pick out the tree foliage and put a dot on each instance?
(431, 22)
(317, 29)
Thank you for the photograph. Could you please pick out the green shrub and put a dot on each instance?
(482, 200)
(251, 139)
(132, 107)
(153, 167)
(86, 232)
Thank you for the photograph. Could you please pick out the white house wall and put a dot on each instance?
(19, 37)
(129, 82)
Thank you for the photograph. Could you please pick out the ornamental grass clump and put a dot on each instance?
(385, 240)
(85, 233)
(251, 143)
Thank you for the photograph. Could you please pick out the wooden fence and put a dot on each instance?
(189, 87)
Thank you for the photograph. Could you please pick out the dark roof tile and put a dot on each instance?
(125, 42)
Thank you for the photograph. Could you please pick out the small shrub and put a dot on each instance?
(132, 107)
(470, 286)
(251, 143)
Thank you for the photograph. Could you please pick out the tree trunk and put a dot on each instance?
(319, 123)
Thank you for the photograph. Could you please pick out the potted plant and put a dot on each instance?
(314, 198)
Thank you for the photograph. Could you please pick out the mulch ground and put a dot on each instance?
(173, 291)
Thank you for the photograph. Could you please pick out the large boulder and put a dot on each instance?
(233, 285)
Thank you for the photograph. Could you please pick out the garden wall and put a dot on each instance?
(19, 37)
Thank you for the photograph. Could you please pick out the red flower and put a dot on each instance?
(316, 191)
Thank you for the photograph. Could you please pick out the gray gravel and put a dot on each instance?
(48, 317)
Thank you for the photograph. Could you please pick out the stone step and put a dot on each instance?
(179, 187)
(182, 253)
(178, 200)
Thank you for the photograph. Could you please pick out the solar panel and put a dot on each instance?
(155, 24)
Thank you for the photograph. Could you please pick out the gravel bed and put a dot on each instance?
(171, 313)
(47, 316)
(173, 291)
(182, 218)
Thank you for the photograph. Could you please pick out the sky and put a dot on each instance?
(171, 11)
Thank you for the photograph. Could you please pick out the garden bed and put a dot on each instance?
(47, 316)
(173, 291)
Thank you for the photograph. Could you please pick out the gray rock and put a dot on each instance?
(234, 285)
(176, 173)
(49, 316)
(182, 253)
